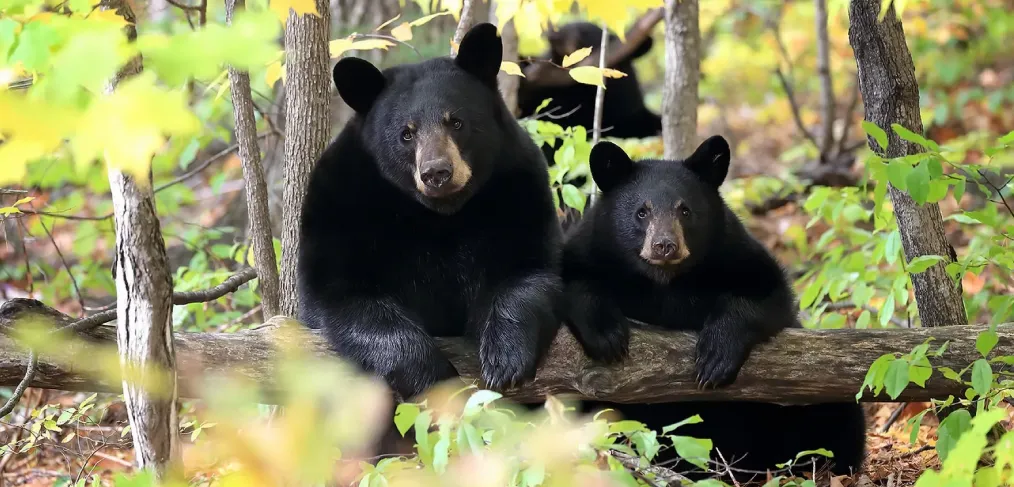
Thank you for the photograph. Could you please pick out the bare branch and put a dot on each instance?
(827, 100)
(843, 146)
(787, 86)
(467, 20)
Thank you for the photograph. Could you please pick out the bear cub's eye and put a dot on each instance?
(456, 123)
(406, 135)
(684, 211)
(642, 213)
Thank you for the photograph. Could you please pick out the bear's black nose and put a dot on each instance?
(663, 249)
(435, 174)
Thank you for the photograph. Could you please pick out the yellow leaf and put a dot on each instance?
(368, 44)
(612, 73)
(26, 199)
(616, 14)
(15, 153)
(301, 7)
(576, 56)
(423, 20)
(9, 210)
(274, 73)
(108, 15)
(402, 32)
(454, 46)
(589, 75)
(385, 24)
(506, 10)
(511, 68)
(338, 47)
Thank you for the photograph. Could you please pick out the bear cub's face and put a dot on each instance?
(432, 125)
(662, 214)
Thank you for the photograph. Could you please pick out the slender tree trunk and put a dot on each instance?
(891, 95)
(253, 176)
(307, 105)
(144, 331)
(600, 91)
(826, 87)
(508, 83)
(467, 20)
(682, 72)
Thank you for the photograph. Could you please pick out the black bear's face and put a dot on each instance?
(662, 214)
(431, 126)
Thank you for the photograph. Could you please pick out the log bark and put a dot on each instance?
(798, 366)
(891, 95)
(253, 177)
(682, 73)
(307, 106)
(144, 332)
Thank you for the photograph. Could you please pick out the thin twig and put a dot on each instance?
(59, 253)
(663, 476)
(893, 417)
(795, 108)
(853, 104)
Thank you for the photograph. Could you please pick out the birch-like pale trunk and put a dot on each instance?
(682, 73)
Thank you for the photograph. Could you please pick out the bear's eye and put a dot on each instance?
(642, 213)
(456, 124)
(685, 211)
(406, 135)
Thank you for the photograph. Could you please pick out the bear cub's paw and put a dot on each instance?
(719, 357)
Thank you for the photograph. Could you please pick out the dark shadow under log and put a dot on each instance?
(798, 366)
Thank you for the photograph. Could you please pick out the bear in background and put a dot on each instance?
(662, 247)
(623, 111)
(429, 215)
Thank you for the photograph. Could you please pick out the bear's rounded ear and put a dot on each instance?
(359, 83)
(711, 160)
(480, 53)
(610, 166)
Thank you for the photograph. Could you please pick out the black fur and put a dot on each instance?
(384, 268)
(728, 288)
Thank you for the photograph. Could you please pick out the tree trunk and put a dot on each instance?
(467, 20)
(508, 83)
(253, 176)
(682, 72)
(600, 91)
(826, 87)
(307, 105)
(797, 366)
(891, 95)
(144, 331)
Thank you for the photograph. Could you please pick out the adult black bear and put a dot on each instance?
(662, 247)
(430, 215)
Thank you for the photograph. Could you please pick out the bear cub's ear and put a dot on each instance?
(480, 53)
(359, 83)
(610, 166)
(711, 160)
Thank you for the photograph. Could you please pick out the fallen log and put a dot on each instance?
(798, 366)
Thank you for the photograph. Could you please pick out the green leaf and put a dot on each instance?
(897, 378)
(534, 475)
(697, 451)
(918, 183)
(920, 371)
(1007, 139)
(887, 311)
(479, 399)
(573, 197)
(915, 138)
(950, 429)
(646, 443)
(959, 189)
(818, 451)
(691, 420)
(875, 375)
(627, 426)
(898, 172)
(405, 416)
(982, 376)
(914, 423)
(923, 262)
(876, 132)
(949, 373)
(542, 105)
(985, 342)
(863, 321)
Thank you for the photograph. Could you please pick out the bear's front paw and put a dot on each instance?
(719, 358)
(607, 344)
(503, 368)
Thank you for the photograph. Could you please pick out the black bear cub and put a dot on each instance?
(662, 247)
(429, 216)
